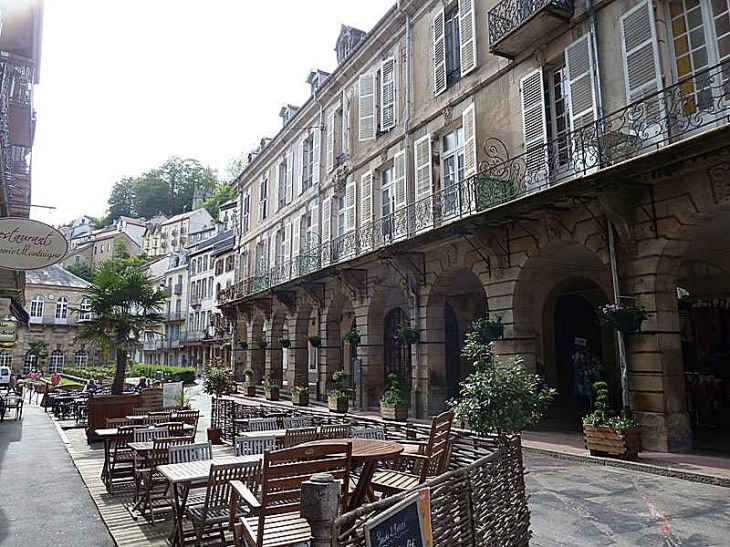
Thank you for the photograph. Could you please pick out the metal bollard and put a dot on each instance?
(320, 499)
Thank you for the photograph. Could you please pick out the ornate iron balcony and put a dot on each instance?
(515, 24)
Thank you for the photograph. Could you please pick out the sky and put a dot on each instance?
(125, 84)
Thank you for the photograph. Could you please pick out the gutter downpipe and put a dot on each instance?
(620, 340)
(320, 389)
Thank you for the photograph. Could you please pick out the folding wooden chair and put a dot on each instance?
(297, 422)
(298, 436)
(262, 424)
(248, 446)
(376, 433)
(334, 431)
(147, 434)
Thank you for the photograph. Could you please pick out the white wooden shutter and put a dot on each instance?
(277, 187)
(401, 195)
(326, 251)
(302, 171)
(387, 94)
(366, 198)
(350, 206)
(641, 55)
(469, 123)
(345, 147)
(314, 215)
(273, 251)
(289, 177)
(422, 167)
(316, 156)
(287, 244)
(439, 51)
(467, 36)
(245, 267)
(296, 238)
(330, 142)
(579, 67)
(367, 106)
(534, 127)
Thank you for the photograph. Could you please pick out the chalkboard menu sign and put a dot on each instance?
(406, 524)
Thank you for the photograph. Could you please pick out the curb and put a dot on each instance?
(712, 480)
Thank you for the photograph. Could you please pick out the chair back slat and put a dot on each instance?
(218, 492)
(437, 449)
(177, 429)
(298, 436)
(125, 435)
(148, 434)
(142, 410)
(297, 422)
(189, 417)
(335, 431)
(160, 449)
(191, 452)
(248, 446)
(285, 470)
(375, 433)
(262, 424)
(118, 422)
(155, 418)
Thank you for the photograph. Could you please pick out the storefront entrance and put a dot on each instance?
(397, 353)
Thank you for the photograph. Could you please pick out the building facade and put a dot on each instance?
(175, 232)
(94, 249)
(152, 239)
(472, 158)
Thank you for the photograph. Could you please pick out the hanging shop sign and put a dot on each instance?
(8, 331)
(29, 245)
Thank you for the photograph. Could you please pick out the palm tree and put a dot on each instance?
(124, 303)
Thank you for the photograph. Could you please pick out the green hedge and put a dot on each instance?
(170, 373)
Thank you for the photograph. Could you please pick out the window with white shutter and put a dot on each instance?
(281, 172)
(439, 51)
(534, 127)
(263, 197)
(330, 142)
(641, 55)
(387, 94)
(313, 233)
(367, 106)
(289, 195)
(296, 238)
(350, 191)
(345, 130)
(326, 230)
(316, 156)
(287, 245)
(423, 172)
(579, 67)
(366, 198)
(467, 36)
(401, 194)
(469, 123)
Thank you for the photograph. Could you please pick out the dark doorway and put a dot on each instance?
(452, 348)
(397, 353)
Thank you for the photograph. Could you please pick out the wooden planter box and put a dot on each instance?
(102, 407)
(398, 413)
(338, 405)
(272, 394)
(606, 441)
(300, 399)
(249, 390)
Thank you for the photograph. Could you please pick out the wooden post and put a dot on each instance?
(320, 499)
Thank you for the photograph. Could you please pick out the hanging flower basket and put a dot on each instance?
(624, 318)
(261, 343)
(285, 343)
(353, 337)
(315, 340)
(407, 334)
(243, 344)
(491, 330)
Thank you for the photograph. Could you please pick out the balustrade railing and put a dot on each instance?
(509, 15)
(692, 105)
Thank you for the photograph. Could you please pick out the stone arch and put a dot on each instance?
(337, 319)
(257, 355)
(300, 328)
(274, 351)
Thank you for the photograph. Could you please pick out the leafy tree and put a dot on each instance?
(100, 222)
(221, 194)
(81, 270)
(122, 199)
(124, 303)
(39, 349)
(235, 167)
(498, 399)
(152, 195)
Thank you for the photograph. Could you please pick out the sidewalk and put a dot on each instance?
(683, 465)
(43, 500)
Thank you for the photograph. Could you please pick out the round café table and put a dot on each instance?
(368, 453)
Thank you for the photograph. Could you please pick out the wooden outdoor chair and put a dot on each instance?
(262, 424)
(276, 520)
(177, 429)
(121, 463)
(150, 479)
(189, 417)
(219, 508)
(413, 469)
(335, 431)
(142, 410)
(298, 436)
(248, 446)
(184, 453)
(12, 400)
(375, 433)
(118, 422)
(148, 434)
(155, 418)
(297, 422)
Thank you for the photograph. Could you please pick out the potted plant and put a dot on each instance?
(249, 386)
(300, 395)
(625, 318)
(353, 337)
(243, 344)
(392, 404)
(260, 342)
(271, 389)
(498, 399)
(338, 400)
(218, 382)
(183, 399)
(605, 434)
(491, 330)
(285, 342)
(407, 334)
(315, 340)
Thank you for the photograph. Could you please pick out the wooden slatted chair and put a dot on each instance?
(248, 446)
(118, 422)
(219, 508)
(276, 521)
(148, 434)
(297, 422)
(413, 469)
(262, 424)
(298, 436)
(121, 463)
(335, 431)
(184, 453)
(375, 433)
(156, 418)
(150, 479)
(177, 429)
(142, 410)
(189, 417)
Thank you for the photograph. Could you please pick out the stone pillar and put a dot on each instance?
(298, 369)
(319, 502)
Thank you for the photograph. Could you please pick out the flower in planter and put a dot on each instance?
(392, 395)
(624, 318)
(271, 383)
(602, 414)
(248, 374)
(285, 343)
(338, 395)
(315, 340)
(261, 343)
(299, 389)
(407, 334)
(353, 337)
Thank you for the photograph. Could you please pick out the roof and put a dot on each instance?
(206, 244)
(225, 245)
(55, 275)
(135, 221)
(183, 216)
(228, 204)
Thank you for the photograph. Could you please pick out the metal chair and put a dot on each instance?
(334, 431)
(375, 433)
(298, 436)
(248, 446)
(262, 424)
(297, 422)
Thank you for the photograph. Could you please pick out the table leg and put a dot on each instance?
(180, 495)
(358, 496)
(105, 468)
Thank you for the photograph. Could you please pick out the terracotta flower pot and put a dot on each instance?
(214, 435)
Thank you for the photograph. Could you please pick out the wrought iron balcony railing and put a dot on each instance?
(510, 17)
(690, 107)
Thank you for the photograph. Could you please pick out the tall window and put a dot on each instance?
(387, 202)
(85, 313)
(210, 287)
(261, 258)
(246, 214)
(6, 358)
(280, 251)
(81, 359)
(62, 308)
(308, 232)
(30, 362)
(282, 183)
(341, 217)
(55, 361)
(36, 307)
(453, 49)
(557, 113)
(452, 151)
(308, 163)
(219, 266)
(262, 198)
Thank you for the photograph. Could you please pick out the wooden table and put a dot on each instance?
(184, 476)
(368, 453)
(278, 433)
